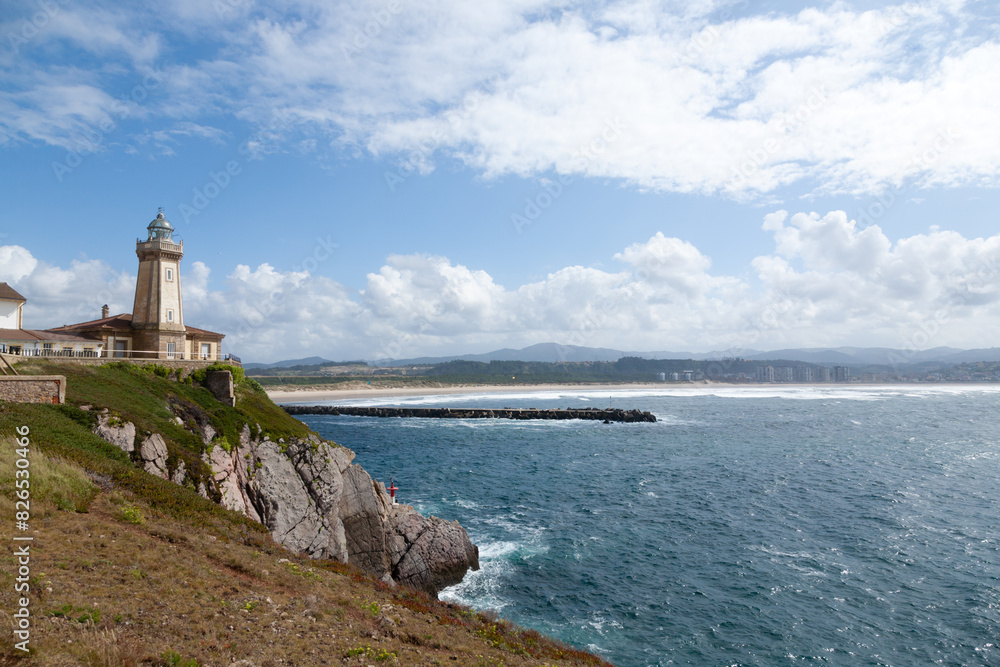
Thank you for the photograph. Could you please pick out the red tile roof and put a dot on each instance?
(122, 322)
(33, 335)
(116, 322)
(8, 292)
(203, 332)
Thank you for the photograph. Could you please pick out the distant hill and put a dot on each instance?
(308, 361)
(846, 356)
(541, 352)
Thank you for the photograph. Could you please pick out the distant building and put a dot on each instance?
(16, 340)
(803, 374)
(11, 308)
(784, 374)
(154, 329)
(765, 374)
(675, 376)
(841, 374)
(662, 377)
(824, 374)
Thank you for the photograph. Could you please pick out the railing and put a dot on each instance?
(36, 352)
(116, 354)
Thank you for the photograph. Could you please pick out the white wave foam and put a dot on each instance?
(604, 396)
(483, 588)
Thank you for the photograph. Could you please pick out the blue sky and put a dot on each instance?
(393, 178)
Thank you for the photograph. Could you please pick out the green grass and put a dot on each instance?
(64, 484)
(134, 569)
(136, 394)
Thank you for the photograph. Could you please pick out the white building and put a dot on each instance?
(16, 340)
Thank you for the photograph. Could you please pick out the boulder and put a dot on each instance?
(430, 553)
(153, 455)
(121, 435)
(295, 492)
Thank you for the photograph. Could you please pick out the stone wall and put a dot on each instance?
(220, 383)
(33, 389)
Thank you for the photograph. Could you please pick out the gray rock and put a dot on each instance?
(434, 553)
(122, 436)
(315, 502)
(153, 455)
(296, 492)
(179, 474)
(220, 383)
(365, 514)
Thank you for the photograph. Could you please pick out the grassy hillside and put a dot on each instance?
(129, 569)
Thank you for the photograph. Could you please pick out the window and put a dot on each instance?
(171, 350)
(206, 350)
(170, 314)
(47, 349)
(170, 275)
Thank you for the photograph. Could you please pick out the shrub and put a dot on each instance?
(133, 514)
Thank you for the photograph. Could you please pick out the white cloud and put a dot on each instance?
(831, 100)
(827, 283)
(57, 296)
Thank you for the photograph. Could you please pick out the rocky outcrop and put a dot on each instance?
(314, 501)
(153, 455)
(429, 553)
(114, 430)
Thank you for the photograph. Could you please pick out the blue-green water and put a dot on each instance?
(830, 525)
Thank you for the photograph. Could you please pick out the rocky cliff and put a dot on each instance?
(312, 499)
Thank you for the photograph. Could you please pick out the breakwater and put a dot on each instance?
(599, 414)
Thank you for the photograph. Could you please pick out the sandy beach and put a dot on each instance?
(322, 395)
(308, 394)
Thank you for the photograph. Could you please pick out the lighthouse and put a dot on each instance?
(157, 312)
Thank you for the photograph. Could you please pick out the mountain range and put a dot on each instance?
(554, 352)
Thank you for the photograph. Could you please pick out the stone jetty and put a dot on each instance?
(599, 414)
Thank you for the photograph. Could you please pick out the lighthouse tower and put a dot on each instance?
(157, 315)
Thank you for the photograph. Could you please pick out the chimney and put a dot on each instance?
(105, 311)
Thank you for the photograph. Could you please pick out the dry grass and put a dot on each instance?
(109, 590)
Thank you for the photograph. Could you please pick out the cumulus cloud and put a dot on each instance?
(702, 98)
(827, 282)
(57, 295)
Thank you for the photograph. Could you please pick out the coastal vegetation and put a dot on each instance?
(129, 569)
(350, 375)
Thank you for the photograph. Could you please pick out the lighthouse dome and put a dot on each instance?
(160, 228)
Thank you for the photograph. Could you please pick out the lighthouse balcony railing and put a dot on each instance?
(177, 245)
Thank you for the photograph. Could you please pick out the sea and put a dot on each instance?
(841, 525)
